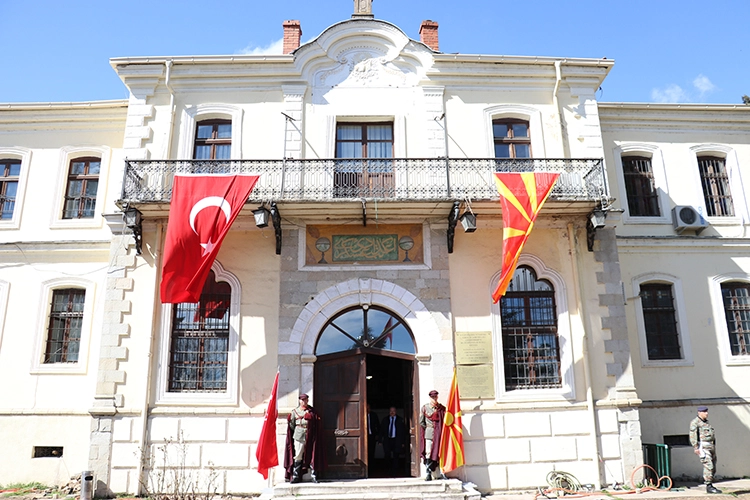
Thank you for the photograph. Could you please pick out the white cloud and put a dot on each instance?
(275, 47)
(670, 93)
(703, 84)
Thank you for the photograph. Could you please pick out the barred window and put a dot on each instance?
(511, 138)
(10, 170)
(736, 297)
(659, 318)
(529, 328)
(200, 340)
(715, 182)
(213, 140)
(64, 330)
(643, 199)
(80, 194)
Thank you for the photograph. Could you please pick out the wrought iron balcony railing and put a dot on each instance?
(392, 179)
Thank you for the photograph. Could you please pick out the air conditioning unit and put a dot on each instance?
(685, 217)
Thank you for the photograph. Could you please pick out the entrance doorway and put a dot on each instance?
(356, 368)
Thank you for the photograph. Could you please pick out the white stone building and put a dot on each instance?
(369, 146)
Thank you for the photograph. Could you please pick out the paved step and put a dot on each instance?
(376, 489)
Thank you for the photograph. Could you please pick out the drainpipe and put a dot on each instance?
(149, 371)
(168, 142)
(590, 403)
(556, 101)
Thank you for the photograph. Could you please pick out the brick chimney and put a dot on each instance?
(428, 34)
(292, 36)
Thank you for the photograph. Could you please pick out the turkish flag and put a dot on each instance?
(267, 452)
(521, 196)
(202, 211)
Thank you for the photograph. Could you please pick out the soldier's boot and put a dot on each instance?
(297, 472)
(313, 475)
(429, 466)
(710, 488)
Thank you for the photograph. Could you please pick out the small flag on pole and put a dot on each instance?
(267, 452)
(452, 438)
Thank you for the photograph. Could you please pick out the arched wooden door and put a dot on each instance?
(346, 346)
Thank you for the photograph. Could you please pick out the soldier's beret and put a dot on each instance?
(703, 408)
(303, 396)
(433, 393)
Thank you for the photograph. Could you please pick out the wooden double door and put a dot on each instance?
(344, 384)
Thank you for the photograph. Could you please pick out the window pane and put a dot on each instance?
(205, 131)
(348, 150)
(10, 189)
(91, 187)
(522, 150)
(500, 129)
(202, 152)
(225, 131)
(379, 150)
(520, 130)
(379, 132)
(94, 167)
(77, 168)
(347, 331)
(349, 132)
(75, 188)
(223, 152)
(15, 169)
(502, 150)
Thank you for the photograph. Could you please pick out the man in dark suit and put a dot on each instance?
(393, 436)
(373, 434)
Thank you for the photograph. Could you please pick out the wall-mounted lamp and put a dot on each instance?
(597, 218)
(131, 216)
(469, 221)
(261, 217)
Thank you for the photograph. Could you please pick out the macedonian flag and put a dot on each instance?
(452, 437)
(522, 196)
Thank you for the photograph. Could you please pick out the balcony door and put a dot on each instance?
(364, 160)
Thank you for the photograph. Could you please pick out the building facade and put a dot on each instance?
(364, 288)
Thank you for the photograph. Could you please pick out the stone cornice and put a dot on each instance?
(727, 118)
(63, 115)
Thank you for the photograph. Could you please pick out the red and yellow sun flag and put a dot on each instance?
(452, 437)
(522, 196)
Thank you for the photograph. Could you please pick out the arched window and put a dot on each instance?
(365, 326)
(200, 340)
(531, 347)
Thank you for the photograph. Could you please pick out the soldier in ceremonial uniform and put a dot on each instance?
(431, 418)
(703, 439)
(303, 446)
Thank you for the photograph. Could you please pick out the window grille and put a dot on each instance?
(659, 318)
(10, 170)
(64, 330)
(529, 329)
(643, 199)
(200, 341)
(80, 194)
(737, 310)
(715, 182)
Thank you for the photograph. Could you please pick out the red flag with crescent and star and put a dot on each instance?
(202, 211)
(267, 452)
(452, 437)
(522, 196)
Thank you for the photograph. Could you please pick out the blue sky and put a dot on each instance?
(664, 50)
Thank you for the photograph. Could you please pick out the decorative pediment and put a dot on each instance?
(360, 68)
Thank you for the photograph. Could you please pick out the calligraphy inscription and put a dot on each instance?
(365, 247)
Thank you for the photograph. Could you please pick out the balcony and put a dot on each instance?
(436, 180)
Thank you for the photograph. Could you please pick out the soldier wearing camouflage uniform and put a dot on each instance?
(703, 439)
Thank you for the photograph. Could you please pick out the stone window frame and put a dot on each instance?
(48, 287)
(517, 112)
(564, 334)
(231, 395)
(68, 154)
(24, 155)
(190, 117)
(680, 316)
(736, 185)
(660, 181)
(717, 303)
